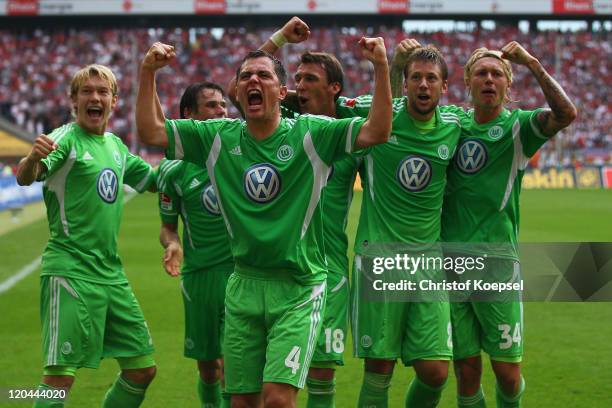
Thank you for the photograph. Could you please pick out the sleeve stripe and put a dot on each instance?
(163, 173)
(140, 187)
(535, 127)
(178, 144)
(349, 137)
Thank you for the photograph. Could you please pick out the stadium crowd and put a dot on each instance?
(32, 83)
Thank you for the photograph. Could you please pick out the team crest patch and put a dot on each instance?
(472, 156)
(108, 185)
(414, 173)
(209, 200)
(284, 153)
(262, 182)
(165, 202)
(496, 132)
(189, 343)
(117, 157)
(443, 151)
(66, 348)
(366, 341)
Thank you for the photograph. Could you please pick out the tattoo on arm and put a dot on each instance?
(562, 111)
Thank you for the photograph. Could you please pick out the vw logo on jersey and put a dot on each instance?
(209, 200)
(472, 156)
(262, 182)
(108, 185)
(414, 173)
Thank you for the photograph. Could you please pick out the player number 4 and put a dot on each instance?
(334, 340)
(508, 340)
(293, 359)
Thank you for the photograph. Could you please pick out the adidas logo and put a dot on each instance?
(87, 156)
(194, 183)
(236, 151)
(393, 139)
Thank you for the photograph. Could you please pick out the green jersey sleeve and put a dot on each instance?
(56, 158)
(532, 136)
(191, 140)
(352, 107)
(168, 200)
(138, 173)
(333, 138)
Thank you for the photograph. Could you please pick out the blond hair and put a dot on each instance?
(481, 53)
(93, 70)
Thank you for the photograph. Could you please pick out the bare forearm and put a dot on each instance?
(269, 47)
(563, 112)
(377, 127)
(150, 119)
(27, 171)
(168, 236)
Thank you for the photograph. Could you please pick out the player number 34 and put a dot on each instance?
(508, 340)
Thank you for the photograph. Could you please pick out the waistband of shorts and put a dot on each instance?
(276, 274)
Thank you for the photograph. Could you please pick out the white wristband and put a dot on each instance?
(278, 39)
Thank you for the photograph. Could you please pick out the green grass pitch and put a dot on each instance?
(567, 345)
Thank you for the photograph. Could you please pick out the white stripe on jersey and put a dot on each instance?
(178, 144)
(140, 186)
(186, 224)
(164, 169)
(319, 174)
(355, 307)
(57, 184)
(370, 169)
(348, 147)
(211, 162)
(519, 161)
(60, 132)
(535, 127)
(339, 285)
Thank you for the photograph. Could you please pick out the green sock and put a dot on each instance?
(374, 390)
(504, 401)
(210, 394)
(47, 403)
(421, 395)
(475, 401)
(124, 394)
(226, 401)
(321, 393)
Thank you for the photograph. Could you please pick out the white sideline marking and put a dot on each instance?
(25, 271)
(32, 266)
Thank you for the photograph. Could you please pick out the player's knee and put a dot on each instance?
(58, 381)
(279, 400)
(143, 376)
(379, 366)
(210, 371)
(322, 374)
(432, 373)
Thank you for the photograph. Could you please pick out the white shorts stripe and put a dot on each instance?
(315, 318)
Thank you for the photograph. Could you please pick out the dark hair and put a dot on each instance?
(430, 54)
(332, 67)
(189, 100)
(279, 69)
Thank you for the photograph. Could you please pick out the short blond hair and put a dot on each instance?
(93, 70)
(481, 53)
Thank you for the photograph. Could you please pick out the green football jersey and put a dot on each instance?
(481, 204)
(185, 189)
(83, 192)
(335, 201)
(269, 190)
(404, 179)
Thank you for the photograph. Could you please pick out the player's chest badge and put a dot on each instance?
(284, 153)
(495, 132)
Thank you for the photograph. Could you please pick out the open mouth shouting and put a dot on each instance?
(95, 112)
(254, 99)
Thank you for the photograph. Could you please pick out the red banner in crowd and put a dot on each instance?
(22, 7)
(392, 6)
(607, 177)
(573, 7)
(209, 6)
